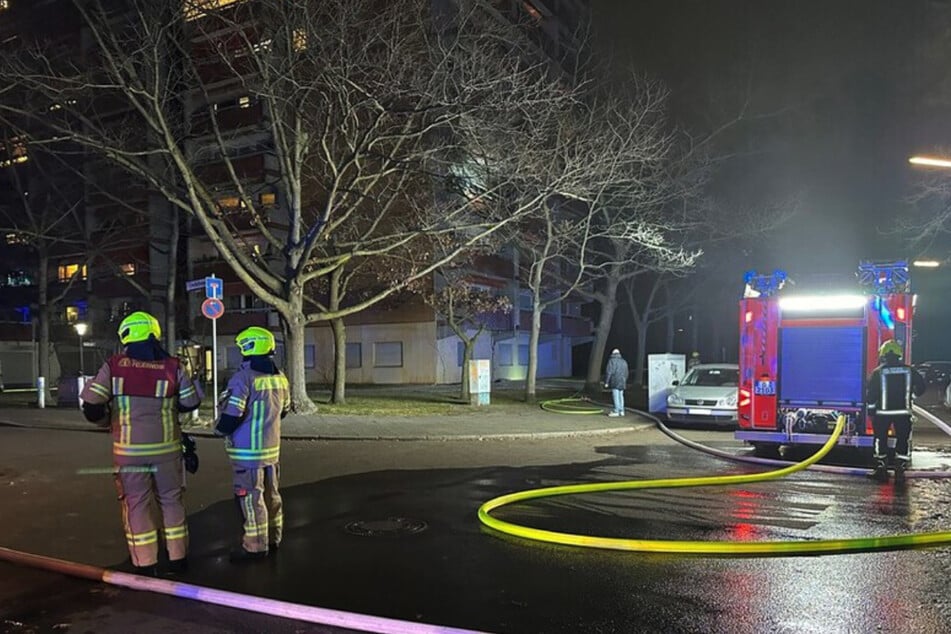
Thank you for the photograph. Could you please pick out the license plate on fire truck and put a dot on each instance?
(765, 388)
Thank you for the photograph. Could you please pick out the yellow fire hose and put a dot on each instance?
(723, 548)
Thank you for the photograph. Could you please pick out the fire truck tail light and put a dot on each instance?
(744, 397)
(900, 313)
(749, 316)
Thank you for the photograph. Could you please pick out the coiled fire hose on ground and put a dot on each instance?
(719, 548)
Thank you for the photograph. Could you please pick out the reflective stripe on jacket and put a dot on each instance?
(890, 389)
(145, 397)
(258, 399)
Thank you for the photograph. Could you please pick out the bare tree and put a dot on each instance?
(468, 310)
(610, 222)
(361, 105)
(44, 214)
(927, 222)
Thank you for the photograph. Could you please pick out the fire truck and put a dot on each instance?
(805, 359)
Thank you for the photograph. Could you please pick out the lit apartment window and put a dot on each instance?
(268, 199)
(300, 40)
(19, 278)
(15, 238)
(128, 268)
(228, 204)
(4, 5)
(72, 314)
(532, 11)
(15, 151)
(244, 102)
(195, 9)
(67, 271)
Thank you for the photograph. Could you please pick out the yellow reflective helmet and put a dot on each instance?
(139, 326)
(255, 341)
(890, 347)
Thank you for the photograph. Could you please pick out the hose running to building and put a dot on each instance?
(720, 548)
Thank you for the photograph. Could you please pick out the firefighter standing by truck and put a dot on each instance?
(140, 393)
(257, 397)
(889, 398)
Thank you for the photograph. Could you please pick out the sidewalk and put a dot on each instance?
(485, 424)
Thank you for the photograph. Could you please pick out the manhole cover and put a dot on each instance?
(390, 527)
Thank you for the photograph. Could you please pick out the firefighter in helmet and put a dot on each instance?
(257, 398)
(889, 398)
(139, 393)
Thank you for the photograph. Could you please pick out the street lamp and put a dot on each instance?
(81, 329)
(929, 161)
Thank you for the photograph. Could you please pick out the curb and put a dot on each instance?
(541, 435)
(470, 437)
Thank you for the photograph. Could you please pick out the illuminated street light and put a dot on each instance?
(930, 161)
(926, 264)
(81, 329)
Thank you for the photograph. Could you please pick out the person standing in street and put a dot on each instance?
(257, 398)
(889, 399)
(615, 378)
(140, 393)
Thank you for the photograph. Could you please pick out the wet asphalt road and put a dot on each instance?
(454, 572)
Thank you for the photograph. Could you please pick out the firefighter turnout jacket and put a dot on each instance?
(890, 388)
(252, 408)
(144, 399)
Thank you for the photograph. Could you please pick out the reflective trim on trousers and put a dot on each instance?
(146, 449)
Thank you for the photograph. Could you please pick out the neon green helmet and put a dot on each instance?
(139, 326)
(255, 341)
(890, 347)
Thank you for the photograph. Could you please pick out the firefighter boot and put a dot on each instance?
(880, 474)
(900, 466)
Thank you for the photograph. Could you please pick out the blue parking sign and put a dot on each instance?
(214, 288)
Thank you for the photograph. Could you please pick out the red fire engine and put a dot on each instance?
(805, 359)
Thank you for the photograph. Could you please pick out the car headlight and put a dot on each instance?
(674, 399)
(730, 401)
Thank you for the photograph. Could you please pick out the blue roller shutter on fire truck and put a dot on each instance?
(821, 366)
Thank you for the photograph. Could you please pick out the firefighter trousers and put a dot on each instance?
(880, 425)
(139, 488)
(259, 500)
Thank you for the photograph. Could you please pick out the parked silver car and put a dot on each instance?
(707, 394)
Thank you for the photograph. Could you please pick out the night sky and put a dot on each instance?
(836, 96)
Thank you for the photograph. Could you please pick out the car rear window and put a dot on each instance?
(712, 377)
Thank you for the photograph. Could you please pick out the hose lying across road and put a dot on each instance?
(352, 621)
(721, 548)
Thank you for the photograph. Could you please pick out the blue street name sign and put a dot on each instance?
(214, 288)
(212, 308)
(194, 285)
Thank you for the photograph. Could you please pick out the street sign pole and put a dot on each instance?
(213, 308)
(214, 367)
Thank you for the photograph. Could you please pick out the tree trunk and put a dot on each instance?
(669, 319)
(294, 337)
(170, 283)
(530, 379)
(641, 354)
(592, 381)
(339, 394)
(468, 345)
(43, 318)
(694, 330)
(339, 329)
